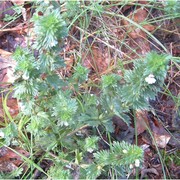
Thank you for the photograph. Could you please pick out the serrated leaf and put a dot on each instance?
(91, 143)
(55, 81)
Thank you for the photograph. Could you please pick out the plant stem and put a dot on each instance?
(135, 126)
(136, 138)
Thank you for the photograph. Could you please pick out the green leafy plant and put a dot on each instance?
(58, 107)
(172, 7)
(137, 87)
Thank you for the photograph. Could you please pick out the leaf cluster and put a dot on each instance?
(133, 91)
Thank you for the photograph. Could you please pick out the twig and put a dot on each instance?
(76, 130)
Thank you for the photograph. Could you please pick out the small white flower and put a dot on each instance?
(130, 166)
(1, 134)
(25, 76)
(66, 123)
(124, 151)
(137, 162)
(21, 106)
(150, 79)
(90, 150)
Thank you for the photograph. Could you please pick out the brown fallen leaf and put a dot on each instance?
(161, 136)
(9, 160)
(5, 54)
(143, 1)
(7, 167)
(6, 76)
(7, 67)
(142, 122)
(138, 35)
(119, 124)
(144, 172)
(138, 17)
(149, 27)
(97, 59)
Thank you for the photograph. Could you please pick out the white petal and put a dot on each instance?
(150, 79)
(137, 162)
(25, 76)
(124, 151)
(66, 123)
(130, 166)
(1, 134)
(90, 150)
